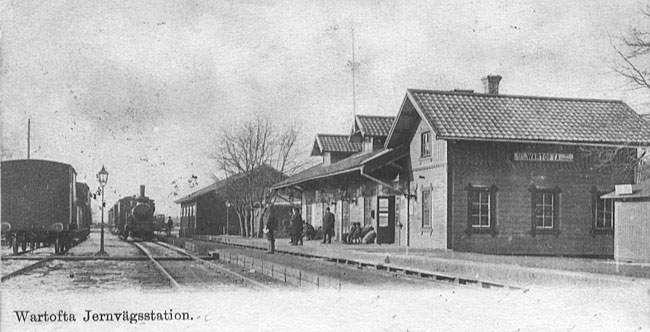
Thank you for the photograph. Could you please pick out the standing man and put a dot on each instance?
(296, 226)
(271, 226)
(328, 226)
(170, 226)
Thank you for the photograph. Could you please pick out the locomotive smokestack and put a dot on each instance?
(142, 190)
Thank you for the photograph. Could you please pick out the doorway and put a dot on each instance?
(386, 219)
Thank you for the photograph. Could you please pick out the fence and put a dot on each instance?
(283, 273)
(290, 275)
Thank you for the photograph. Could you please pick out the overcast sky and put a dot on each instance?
(143, 87)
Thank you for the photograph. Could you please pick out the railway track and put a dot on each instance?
(165, 266)
(200, 273)
(40, 261)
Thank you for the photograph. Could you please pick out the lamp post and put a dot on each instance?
(227, 217)
(102, 177)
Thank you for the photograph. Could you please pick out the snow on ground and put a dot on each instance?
(75, 289)
(113, 245)
(460, 309)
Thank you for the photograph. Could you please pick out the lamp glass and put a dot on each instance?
(102, 176)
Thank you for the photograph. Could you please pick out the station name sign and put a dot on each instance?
(537, 156)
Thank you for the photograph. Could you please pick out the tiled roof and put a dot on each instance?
(502, 117)
(336, 143)
(646, 116)
(374, 125)
(221, 185)
(351, 164)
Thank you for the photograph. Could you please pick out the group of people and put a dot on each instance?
(296, 228)
(359, 234)
(299, 228)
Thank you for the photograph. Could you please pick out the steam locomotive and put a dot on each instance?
(133, 216)
(43, 204)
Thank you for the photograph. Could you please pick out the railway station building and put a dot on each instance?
(485, 172)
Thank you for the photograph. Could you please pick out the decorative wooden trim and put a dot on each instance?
(432, 166)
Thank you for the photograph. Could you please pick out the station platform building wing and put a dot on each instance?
(212, 210)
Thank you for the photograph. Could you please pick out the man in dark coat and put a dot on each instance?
(271, 226)
(170, 226)
(296, 227)
(328, 226)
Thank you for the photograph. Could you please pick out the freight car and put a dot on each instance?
(40, 205)
(81, 229)
(160, 225)
(118, 214)
(134, 216)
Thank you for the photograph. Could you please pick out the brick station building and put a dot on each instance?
(491, 173)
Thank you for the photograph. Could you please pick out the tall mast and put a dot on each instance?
(29, 123)
(354, 85)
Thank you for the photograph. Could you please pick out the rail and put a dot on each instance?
(27, 268)
(39, 263)
(214, 266)
(159, 267)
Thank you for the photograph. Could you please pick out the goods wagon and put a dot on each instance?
(40, 205)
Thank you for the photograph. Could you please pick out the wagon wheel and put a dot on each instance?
(14, 241)
(63, 245)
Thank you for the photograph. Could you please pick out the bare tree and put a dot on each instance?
(633, 63)
(621, 160)
(254, 157)
(633, 49)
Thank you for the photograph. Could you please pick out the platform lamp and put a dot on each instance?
(227, 217)
(102, 177)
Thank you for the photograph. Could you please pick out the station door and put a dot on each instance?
(385, 219)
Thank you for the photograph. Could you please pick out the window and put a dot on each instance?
(426, 208)
(481, 209)
(383, 211)
(602, 213)
(545, 207)
(425, 147)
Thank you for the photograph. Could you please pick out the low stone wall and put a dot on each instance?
(511, 275)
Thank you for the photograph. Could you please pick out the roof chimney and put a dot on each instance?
(491, 84)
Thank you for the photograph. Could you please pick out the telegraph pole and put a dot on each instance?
(29, 124)
(354, 84)
(353, 66)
